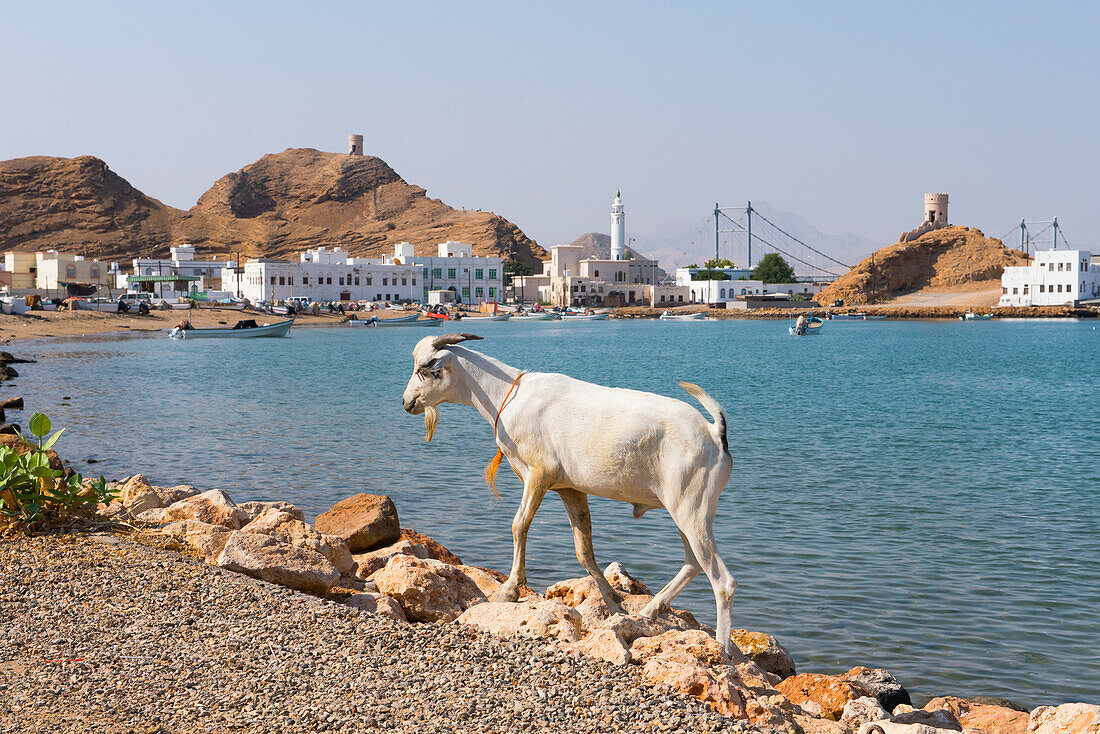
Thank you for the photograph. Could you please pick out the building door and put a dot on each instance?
(345, 295)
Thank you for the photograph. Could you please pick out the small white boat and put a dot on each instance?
(499, 317)
(869, 317)
(246, 329)
(971, 316)
(407, 322)
(585, 317)
(16, 305)
(811, 326)
(98, 304)
(540, 316)
(848, 316)
(693, 316)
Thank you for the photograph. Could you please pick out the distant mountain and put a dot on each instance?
(598, 245)
(684, 241)
(276, 207)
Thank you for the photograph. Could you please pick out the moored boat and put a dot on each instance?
(848, 316)
(406, 322)
(810, 326)
(693, 316)
(971, 316)
(538, 316)
(246, 329)
(584, 317)
(499, 317)
(869, 317)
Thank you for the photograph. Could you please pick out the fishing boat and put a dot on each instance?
(694, 316)
(848, 316)
(246, 329)
(538, 316)
(406, 322)
(971, 316)
(499, 317)
(399, 319)
(812, 325)
(869, 317)
(584, 317)
(105, 305)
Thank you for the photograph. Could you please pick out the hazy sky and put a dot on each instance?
(844, 113)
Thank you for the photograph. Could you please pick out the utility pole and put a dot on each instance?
(1055, 233)
(1023, 230)
(748, 211)
(716, 212)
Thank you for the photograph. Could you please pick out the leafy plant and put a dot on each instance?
(31, 490)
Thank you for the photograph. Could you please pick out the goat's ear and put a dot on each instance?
(445, 341)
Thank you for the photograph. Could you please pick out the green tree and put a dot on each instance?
(772, 268)
(514, 268)
(715, 264)
(710, 275)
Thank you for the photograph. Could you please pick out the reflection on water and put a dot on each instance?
(915, 496)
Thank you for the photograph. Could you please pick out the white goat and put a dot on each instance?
(575, 438)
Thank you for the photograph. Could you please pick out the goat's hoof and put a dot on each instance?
(650, 612)
(507, 593)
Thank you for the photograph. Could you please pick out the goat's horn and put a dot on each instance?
(448, 339)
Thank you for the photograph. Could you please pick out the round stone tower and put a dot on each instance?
(355, 146)
(935, 209)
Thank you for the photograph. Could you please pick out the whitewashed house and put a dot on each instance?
(1054, 278)
(325, 275)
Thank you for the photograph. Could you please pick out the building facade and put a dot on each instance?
(23, 268)
(472, 278)
(328, 275)
(55, 270)
(1054, 278)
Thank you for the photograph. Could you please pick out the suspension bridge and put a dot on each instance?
(743, 235)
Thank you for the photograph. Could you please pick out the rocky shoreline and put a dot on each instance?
(183, 610)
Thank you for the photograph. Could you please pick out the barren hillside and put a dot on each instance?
(952, 258)
(281, 204)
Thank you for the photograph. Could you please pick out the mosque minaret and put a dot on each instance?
(618, 228)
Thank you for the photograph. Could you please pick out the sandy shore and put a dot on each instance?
(107, 634)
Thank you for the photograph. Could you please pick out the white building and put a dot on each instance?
(1054, 278)
(618, 228)
(473, 279)
(195, 274)
(324, 275)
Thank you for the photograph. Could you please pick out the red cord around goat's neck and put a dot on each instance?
(492, 467)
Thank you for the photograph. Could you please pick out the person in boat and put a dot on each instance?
(185, 325)
(800, 324)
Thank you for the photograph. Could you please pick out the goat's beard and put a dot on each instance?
(431, 420)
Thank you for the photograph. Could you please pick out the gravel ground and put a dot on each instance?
(102, 633)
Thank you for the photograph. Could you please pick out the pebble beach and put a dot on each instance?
(110, 633)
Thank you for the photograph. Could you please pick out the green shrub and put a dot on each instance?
(32, 491)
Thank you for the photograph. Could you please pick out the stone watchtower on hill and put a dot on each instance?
(355, 145)
(935, 216)
(935, 209)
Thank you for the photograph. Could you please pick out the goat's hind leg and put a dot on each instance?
(576, 506)
(721, 580)
(691, 568)
(534, 489)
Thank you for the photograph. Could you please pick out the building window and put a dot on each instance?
(414, 281)
(1059, 287)
(479, 292)
(357, 280)
(451, 273)
(95, 272)
(479, 274)
(492, 293)
(493, 274)
(282, 280)
(305, 280)
(290, 280)
(1025, 289)
(595, 273)
(341, 280)
(70, 272)
(1014, 291)
(272, 280)
(385, 281)
(437, 272)
(329, 279)
(722, 293)
(681, 299)
(1059, 267)
(1052, 267)
(404, 281)
(369, 279)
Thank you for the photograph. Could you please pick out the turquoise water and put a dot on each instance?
(919, 496)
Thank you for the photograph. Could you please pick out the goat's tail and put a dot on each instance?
(713, 408)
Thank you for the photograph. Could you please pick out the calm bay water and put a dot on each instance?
(917, 496)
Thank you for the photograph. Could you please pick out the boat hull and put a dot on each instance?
(537, 317)
(273, 330)
(697, 316)
(404, 322)
(586, 317)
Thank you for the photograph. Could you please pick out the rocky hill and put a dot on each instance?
(943, 259)
(595, 245)
(281, 204)
(80, 205)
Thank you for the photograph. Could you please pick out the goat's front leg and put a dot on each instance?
(576, 506)
(534, 489)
